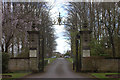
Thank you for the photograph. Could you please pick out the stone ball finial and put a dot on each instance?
(85, 24)
(33, 26)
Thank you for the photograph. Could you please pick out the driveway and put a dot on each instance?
(60, 68)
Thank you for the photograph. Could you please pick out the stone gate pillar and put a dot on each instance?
(33, 50)
(85, 45)
(85, 41)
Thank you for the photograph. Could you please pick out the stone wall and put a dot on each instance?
(18, 64)
(100, 64)
(23, 64)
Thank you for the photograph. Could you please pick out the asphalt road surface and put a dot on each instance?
(60, 68)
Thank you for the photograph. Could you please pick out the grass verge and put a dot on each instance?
(102, 76)
(15, 75)
(69, 59)
(50, 60)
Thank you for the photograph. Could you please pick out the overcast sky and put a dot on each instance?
(62, 45)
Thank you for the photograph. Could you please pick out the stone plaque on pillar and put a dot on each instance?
(33, 53)
(86, 53)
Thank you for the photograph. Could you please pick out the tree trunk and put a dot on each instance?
(2, 48)
(1, 25)
(6, 48)
(112, 43)
(12, 49)
(18, 46)
(111, 36)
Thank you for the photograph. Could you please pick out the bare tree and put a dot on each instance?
(18, 19)
(102, 19)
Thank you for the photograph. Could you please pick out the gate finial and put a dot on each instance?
(85, 24)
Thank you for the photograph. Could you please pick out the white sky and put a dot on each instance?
(62, 45)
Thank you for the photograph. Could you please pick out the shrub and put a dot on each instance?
(5, 59)
(67, 54)
(98, 49)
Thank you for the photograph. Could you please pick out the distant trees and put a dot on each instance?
(68, 53)
(102, 19)
(18, 19)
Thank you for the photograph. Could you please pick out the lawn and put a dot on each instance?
(50, 60)
(102, 76)
(69, 59)
(16, 75)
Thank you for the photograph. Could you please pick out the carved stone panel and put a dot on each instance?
(33, 53)
(86, 53)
